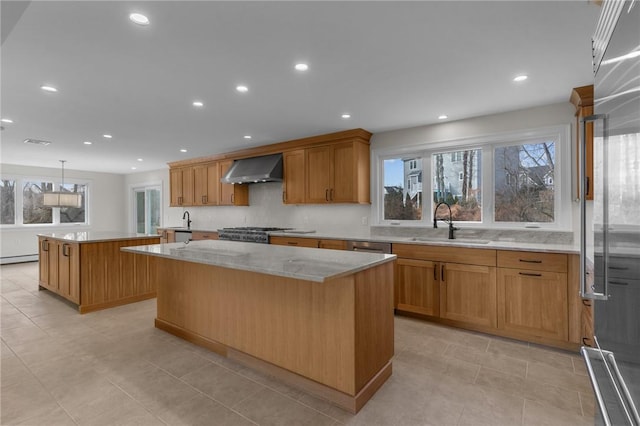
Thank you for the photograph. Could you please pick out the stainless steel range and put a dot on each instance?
(248, 234)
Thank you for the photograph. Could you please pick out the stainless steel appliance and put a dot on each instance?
(610, 237)
(369, 246)
(248, 234)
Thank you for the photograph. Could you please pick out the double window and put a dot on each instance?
(21, 203)
(507, 180)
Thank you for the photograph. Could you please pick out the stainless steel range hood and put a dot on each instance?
(267, 168)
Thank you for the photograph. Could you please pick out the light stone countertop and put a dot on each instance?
(96, 236)
(307, 264)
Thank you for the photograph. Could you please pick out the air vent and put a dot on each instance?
(37, 142)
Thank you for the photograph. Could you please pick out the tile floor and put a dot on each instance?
(114, 368)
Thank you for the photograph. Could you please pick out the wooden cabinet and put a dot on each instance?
(582, 99)
(294, 241)
(337, 173)
(332, 244)
(452, 283)
(60, 268)
(533, 295)
(167, 236)
(586, 323)
(199, 235)
(293, 185)
(417, 287)
(206, 184)
(230, 194)
(181, 187)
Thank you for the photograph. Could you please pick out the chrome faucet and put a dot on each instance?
(188, 217)
(450, 222)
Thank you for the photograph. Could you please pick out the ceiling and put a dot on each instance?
(390, 65)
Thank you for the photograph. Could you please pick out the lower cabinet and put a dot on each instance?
(417, 287)
(586, 323)
(200, 235)
(308, 242)
(59, 264)
(468, 293)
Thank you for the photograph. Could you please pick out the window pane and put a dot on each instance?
(140, 212)
(403, 189)
(74, 214)
(154, 210)
(7, 202)
(524, 183)
(32, 209)
(457, 181)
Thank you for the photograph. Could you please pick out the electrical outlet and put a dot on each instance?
(364, 221)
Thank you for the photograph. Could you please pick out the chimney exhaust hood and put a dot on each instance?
(267, 168)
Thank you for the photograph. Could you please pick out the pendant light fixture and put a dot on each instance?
(60, 198)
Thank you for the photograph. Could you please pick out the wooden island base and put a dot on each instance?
(333, 339)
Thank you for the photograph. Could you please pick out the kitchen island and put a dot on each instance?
(89, 270)
(321, 320)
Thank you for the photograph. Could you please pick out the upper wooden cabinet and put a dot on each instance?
(293, 185)
(582, 99)
(230, 194)
(337, 173)
(206, 185)
(181, 187)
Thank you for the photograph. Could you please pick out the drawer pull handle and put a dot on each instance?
(65, 250)
(618, 268)
(442, 272)
(585, 341)
(435, 273)
(529, 274)
(586, 302)
(530, 261)
(618, 283)
(292, 243)
(45, 245)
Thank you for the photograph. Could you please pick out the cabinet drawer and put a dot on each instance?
(295, 242)
(333, 244)
(195, 236)
(469, 256)
(534, 261)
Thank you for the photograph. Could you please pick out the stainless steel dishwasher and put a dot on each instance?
(369, 246)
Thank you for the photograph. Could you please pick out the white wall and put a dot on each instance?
(106, 207)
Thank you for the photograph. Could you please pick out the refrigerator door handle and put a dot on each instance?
(587, 271)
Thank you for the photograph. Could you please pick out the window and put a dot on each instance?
(402, 202)
(7, 202)
(33, 212)
(506, 180)
(458, 183)
(530, 197)
(74, 214)
(147, 205)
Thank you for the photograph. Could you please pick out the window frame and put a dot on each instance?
(19, 202)
(560, 134)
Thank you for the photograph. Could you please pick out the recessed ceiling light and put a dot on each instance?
(443, 117)
(183, 150)
(133, 168)
(520, 78)
(247, 136)
(345, 116)
(6, 120)
(242, 89)
(140, 159)
(302, 67)
(107, 136)
(198, 104)
(139, 18)
(48, 88)
(86, 143)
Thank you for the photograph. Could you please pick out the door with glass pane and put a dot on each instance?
(147, 209)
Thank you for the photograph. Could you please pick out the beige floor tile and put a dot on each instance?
(13, 371)
(462, 370)
(553, 357)
(56, 417)
(503, 363)
(546, 394)
(494, 379)
(579, 366)
(562, 378)
(270, 382)
(536, 414)
(200, 411)
(510, 348)
(24, 400)
(326, 408)
(223, 385)
(177, 360)
(492, 408)
(24, 334)
(270, 408)
(588, 403)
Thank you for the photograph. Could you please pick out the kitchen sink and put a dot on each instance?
(446, 240)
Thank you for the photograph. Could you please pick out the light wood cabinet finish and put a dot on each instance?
(95, 275)
(463, 255)
(533, 261)
(293, 185)
(582, 99)
(468, 294)
(294, 241)
(167, 236)
(181, 183)
(206, 185)
(199, 235)
(586, 321)
(417, 287)
(231, 195)
(332, 244)
(337, 334)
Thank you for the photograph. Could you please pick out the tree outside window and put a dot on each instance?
(74, 214)
(457, 181)
(403, 202)
(33, 212)
(7, 202)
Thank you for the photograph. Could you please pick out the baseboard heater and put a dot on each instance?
(18, 259)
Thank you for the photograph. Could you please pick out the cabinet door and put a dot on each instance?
(332, 244)
(198, 235)
(200, 186)
(54, 249)
(417, 286)
(187, 187)
(213, 184)
(319, 174)
(468, 293)
(343, 189)
(293, 241)
(294, 181)
(69, 271)
(586, 323)
(533, 303)
(43, 261)
(175, 187)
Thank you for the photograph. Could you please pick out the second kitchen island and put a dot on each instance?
(321, 320)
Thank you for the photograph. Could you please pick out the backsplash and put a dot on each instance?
(507, 235)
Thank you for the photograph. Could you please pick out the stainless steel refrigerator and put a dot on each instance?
(610, 237)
